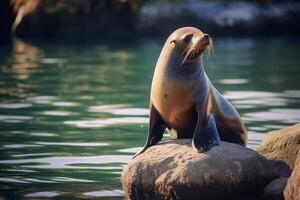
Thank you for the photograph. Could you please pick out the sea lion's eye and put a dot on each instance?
(187, 38)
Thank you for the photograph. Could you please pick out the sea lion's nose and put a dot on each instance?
(206, 36)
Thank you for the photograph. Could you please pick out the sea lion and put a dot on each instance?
(183, 99)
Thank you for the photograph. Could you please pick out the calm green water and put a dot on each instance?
(72, 115)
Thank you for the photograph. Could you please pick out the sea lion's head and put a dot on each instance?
(189, 43)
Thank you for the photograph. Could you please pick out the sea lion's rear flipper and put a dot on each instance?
(155, 131)
(206, 137)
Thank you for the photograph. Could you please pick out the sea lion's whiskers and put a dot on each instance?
(187, 54)
(185, 50)
(210, 48)
(198, 47)
(211, 45)
(193, 52)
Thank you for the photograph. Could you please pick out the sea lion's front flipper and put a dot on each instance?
(206, 137)
(155, 131)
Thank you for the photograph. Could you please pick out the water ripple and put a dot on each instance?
(292, 93)
(35, 180)
(105, 193)
(52, 61)
(119, 109)
(282, 115)
(81, 144)
(42, 99)
(15, 105)
(19, 146)
(262, 102)
(67, 162)
(44, 134)
(255, 136)
(249, 95)
(107, 122)
(233, 81)
(67, 179)
(20, 170)
(254, 99)
(58, 113)
(42, 194)
(31, 154)
(14, 118)
(12, 180)
(65, 104)
(131, 150)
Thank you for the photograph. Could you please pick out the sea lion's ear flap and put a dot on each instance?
(173, 41)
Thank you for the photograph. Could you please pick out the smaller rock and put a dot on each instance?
(274, 190)
(292, 190)
(282, 145)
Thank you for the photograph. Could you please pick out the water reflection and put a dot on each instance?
(23, 60)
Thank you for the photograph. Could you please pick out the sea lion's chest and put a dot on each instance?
(174, 101)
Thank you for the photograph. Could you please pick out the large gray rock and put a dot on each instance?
(292, 190)
(282, 145)
(173, 170)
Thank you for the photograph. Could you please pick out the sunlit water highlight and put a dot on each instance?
(72, 115)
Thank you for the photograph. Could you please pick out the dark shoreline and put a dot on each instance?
(234, 19)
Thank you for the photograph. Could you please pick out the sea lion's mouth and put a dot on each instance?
(195, 50)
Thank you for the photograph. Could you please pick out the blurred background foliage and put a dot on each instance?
(29, 18)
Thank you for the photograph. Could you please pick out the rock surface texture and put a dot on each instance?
(282, 145)
(292, 190)
(173, 170)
